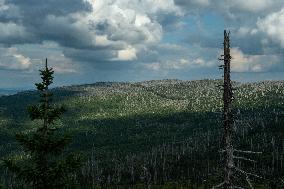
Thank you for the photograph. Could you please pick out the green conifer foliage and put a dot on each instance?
(46, 165)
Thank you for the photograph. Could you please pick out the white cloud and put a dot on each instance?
(252, 63)
(109, 25)
(273, 26)
(11, 59)
(127, 54)
(30, 58)
(179, 64)
(156, 66)
(12, 31)
(141, 20)
(127, 21)
(3, 6)
(121, 27)
(244, 31)
(61, 64)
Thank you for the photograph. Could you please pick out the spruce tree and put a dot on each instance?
(47, 165)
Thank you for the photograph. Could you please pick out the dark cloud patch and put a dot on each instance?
(32, 10)
(25, 21)
(85, 55)
(133, 36)
(231, 8)
(192, 4)
(12, 33)
(99, 60)
(101, 27)
(171, 23)
(64, 31)
(249, 44)
(9, 14)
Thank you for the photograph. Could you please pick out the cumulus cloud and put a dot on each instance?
(134, 34)
(249, 21)
(193, 3)
(62, 64)
(31, 57)
(153, 66)
(180, 64)
(13, 33)
(273, 26)
(252, 63)
(127, 54)
(120, 27)
(11, 59)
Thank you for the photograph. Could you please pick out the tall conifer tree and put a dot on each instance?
(46, 166)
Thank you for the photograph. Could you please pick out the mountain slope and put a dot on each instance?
(168, 129)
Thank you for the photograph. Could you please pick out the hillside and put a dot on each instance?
(162, 132)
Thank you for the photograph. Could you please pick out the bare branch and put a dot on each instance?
(248, 180)
(246, 173)
(243, 158)
(222, 151)
(219, 185)
(247, 152)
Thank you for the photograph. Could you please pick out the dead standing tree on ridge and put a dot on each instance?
(230, 169)
(227, 114)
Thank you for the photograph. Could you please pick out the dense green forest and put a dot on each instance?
(157, 134)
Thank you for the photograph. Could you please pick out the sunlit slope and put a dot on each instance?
(165, 108)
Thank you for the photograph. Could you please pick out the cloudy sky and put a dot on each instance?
(134, 40)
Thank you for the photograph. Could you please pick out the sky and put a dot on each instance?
(87, 41)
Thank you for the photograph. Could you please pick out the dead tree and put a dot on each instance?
(230, 169)
(227, 115)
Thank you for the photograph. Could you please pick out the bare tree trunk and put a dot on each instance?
(227, 115)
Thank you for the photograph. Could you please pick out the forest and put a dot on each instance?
(156, 134)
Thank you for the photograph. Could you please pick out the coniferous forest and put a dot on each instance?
(152, 134)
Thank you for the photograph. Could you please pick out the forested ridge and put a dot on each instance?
(163, 133)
